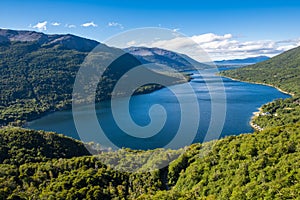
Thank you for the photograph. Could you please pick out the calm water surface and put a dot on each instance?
(242, 99)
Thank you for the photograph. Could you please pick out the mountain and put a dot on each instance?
(180, 62)
(64, 41)
(250, 60)
(4, 40)
(37, 73)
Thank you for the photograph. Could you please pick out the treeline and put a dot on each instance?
(76, 178)
(262, 165)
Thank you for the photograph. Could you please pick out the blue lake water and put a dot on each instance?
(242, 99)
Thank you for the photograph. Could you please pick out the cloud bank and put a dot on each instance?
(222, 47)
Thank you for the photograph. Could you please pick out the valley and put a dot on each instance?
(37, 77)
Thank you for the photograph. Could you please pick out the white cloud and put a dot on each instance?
(210, 37)
(55, 24)
(219, 47)
(115, 24)
(89, 24)
(41, 26)
(229, 48)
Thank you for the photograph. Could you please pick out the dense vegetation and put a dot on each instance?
(254, 166)
(35, 80)
(19, 146)
(43, 165)
(76, 178)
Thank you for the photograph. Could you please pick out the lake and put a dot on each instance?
(242, 99)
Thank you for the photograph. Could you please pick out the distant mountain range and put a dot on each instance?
(250, 60)
(180, 62)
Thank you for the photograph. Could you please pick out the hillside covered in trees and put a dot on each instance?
(249, 166)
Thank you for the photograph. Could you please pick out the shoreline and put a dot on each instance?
(256, 127)
(258, 83)
(24, 124)
(255, 115)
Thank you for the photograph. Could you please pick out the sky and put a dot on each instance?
(224, 29)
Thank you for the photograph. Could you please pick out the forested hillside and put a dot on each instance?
(37, 73)
(35, 80)
(249, 166)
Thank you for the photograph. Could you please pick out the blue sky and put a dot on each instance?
(254, 22)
